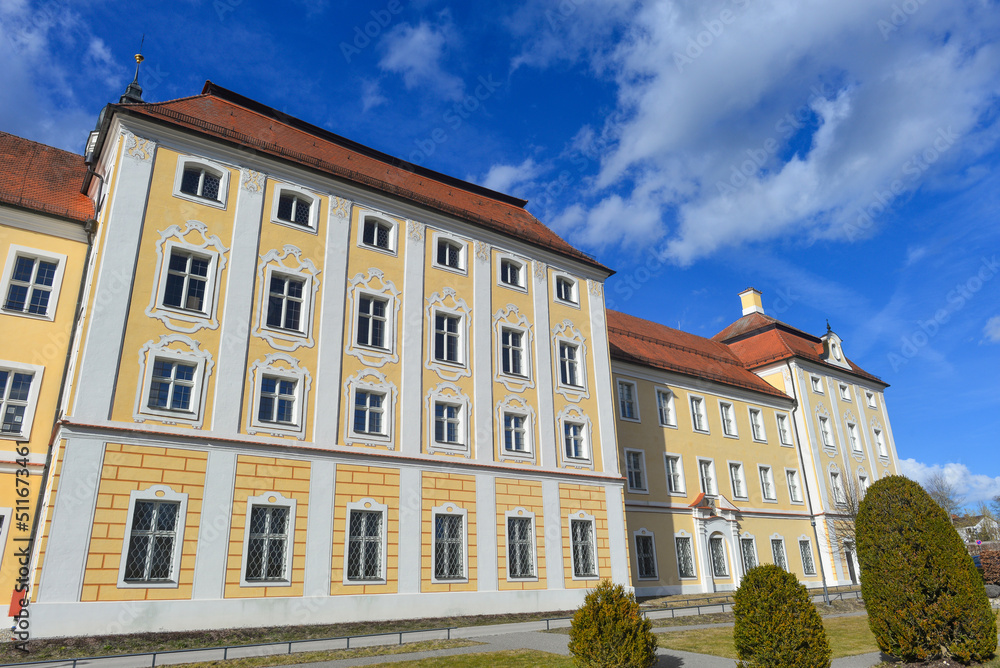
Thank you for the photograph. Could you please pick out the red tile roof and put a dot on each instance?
(759, 340)
(220, 113)
(41, 178)
(651, 344)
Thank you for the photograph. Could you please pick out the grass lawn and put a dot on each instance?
(518, 658)
(331, 655)
(847, 635)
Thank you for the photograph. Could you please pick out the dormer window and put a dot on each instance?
(294, 209)
(200, 182)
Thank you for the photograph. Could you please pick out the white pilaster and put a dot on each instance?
(482, 350)
(410, 520)
(213, 534)
(411, 427)
(618, 539)
(554, 574)
(547, 446)
(486, 532)
(602, 375)
(319, 527)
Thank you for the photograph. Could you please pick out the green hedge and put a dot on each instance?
(923, 593)
(609, 630)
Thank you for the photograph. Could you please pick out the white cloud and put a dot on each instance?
(992, 329)
(749, 121)
(975, 487)
(371, 95)
(503, 178)
(416, 52)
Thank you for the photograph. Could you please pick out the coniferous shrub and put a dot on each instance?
(921, 588)
(777, 626)
(609, 630)
(990, 560)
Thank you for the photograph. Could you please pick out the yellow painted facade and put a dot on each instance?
(514, 496)
(584, 502)
(360, 485)
(452, 493)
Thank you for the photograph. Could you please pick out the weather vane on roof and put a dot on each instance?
(133, 92)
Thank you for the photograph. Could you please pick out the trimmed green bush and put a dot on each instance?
(777, 626)
(610, 631)
(923, 593)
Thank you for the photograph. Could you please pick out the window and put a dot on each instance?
(32, 284)
(728, 418)
(675, 474)
(171, 386)
(736, 478)
(514, 439)
(511, 273)
(569, 367)
(520, 548)
(817, 384)
(574, 440)
(838, 487)
(685, 559)
(845, 392)
(698, 414)
(626, 401)
(371, 321)
(511, 352)
(767, 484)
(635, 466)
(449, 254)
(446, 338)
(294, 209)
(824, 430)
(187, 277)
(364, 544)
(284, 302)
(446, 423)
(852, 434)
(665, 408)
(718, 550)
(566, 290)
(17, 400)
(784, 433)
(748, 550)
(200, 182)
(582, 536)
(880, 443)
(277, 400)
(757, 425)
(778, 553)
(805, 549)
(706, 473)
(377, 234)
(449, 547)
(794, 491)
(870, 398)
(645, 556)
(152, 541)
(862, 482)
(368, 412)
(267, 544)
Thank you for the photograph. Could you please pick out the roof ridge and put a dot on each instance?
(676, 346)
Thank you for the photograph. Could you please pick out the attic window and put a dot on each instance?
(201, 182)
(294, 209)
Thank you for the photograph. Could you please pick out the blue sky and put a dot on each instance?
(839, 156)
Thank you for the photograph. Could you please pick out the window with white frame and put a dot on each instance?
(447, 335)
(200, 182)
(520, 545)
(757, 425)
(845, 392)
(371, 321)
(19, 387)
(277, 400)
(870, 398)
(645, 556)
(584, 550)
(174, 373)
(288, 283)
(675, 474)
(155, 531)
(511, 273)
(566, 290)
(635, 467)
(373, 398)
(31, 282)
(294, 208)
(284, 302)
(824, 430)
(778, 553)
(862, 482)
(737, 480)
(665, 408)
(450, 254)
(369, 412)
(698, 419)
(187, 280)
(569, 364)
(685, 557)
(378, 233)
(728, 418)
(515, 433)
(767, 484)
(748, 550)
(817, 384)
(282, 393)
(717, 548)
(366, 533)
(447, 423)
(512, 352)
(706, 475)
(626, 401)
(808, 565)
(267, 542)
(784, 432)
(172, 385)
(794, 490)
(574, 438)
(837, 485)
(880, 443)
(852, 434)
(449, 546)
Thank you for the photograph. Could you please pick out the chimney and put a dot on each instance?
(751, 301)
